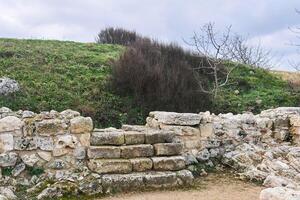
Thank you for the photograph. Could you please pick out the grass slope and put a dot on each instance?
(60, 75)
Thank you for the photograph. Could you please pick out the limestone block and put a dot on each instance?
(185, 176)
(24, 143)
(160, 179)
(206, 130)
(168, 149)
(152, 123)
(11, 124)
(79, 152)
(69, 114)
(172, 118)
(134, 137)
(58, 164)
(95, 152)
(84, 139)
(103, 166)
(141, 164)
(30, 159)
(181, 130)
(18, 169)
(45, 155)
(8, 159)
(134, 151)
(79, 125)
(6, 142)
(279, 193)
(110, 136)
(137, 128)
(50, 127)
(159, 136)
(63, 144)
(118, 182)
(168, 163)
(44, 143)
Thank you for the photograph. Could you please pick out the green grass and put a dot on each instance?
(255, 90)
(60, 74)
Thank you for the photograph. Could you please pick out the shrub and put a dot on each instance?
(117, 36)
(159, 77)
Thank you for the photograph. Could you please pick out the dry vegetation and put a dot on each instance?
(293, 78)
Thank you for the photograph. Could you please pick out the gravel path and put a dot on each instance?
(212, 187)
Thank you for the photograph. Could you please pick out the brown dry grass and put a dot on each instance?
(292, 77)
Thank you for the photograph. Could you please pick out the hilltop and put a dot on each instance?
(63, 74)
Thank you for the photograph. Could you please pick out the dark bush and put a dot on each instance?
(159, 77)
(117, 36)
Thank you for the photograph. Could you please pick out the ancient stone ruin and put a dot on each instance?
(53, 154)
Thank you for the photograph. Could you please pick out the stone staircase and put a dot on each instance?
(137, 156)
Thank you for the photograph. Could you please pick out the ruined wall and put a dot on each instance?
(48, 140)
(167, 151)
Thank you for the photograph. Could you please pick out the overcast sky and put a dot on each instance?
(267, 21)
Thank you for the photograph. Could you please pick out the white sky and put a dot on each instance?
(267, 21)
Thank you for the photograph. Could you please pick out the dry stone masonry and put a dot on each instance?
(53, 154)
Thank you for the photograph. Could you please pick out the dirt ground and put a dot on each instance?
(212, 187)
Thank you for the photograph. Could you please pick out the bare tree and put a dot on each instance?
(215, 48)
(253, 55)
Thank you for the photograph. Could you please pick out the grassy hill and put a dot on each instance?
(60, 75)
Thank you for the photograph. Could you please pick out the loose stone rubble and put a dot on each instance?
(8, 86)
(54, 154)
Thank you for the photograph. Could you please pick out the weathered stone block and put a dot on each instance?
(11, 124)
(168, 149)
(84, 139)
(168, 163)
(45, 155)
(79, 152)
(134, 137)
(141, 164)
(69, 114)
(119, 182)
(159, 136)
(79, 125)
(103, 166)
(24, 143)
(160, 179)
(44, 143)
(206, 130)
(50, 127)
(108, 136)
(137, 128)
(134, 151)
(8, 159)
(172, 118)
(30, 159)
(95, 152)
(185, 176)
(6, 142)
(181, 130)
(58, 164)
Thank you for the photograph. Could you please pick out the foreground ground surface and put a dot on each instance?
(212, 187)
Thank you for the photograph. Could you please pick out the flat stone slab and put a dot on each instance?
(134, 151)
(173, 163)
(173, 118)
(138, 128)
(151, 179)
(168, 149)
(108, 166)
(109, 136)
(134, 137)
(159, 136)
(95, 152)
(141, 164)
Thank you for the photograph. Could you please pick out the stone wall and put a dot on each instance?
(172, 147)
(48, 140)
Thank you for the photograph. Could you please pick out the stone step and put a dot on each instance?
(152, 179)
(125, 166)
(168, 149)
(112, 136)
